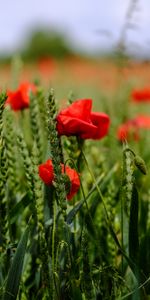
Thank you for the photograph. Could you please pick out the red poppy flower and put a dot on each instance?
(74, 180)
(141, 95)
(131, 128)
(78, 120)
(46, 172)
(19, 99)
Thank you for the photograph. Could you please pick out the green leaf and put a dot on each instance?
(133, 227)
(144, 258)
(15, 271)
(74, 211)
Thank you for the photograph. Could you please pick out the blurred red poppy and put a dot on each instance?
(131, 128)
(19, 99)
(78, 120)
(142, 95)
(47, 66)
(46, 172)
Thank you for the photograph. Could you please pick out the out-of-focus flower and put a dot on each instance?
(19, 99)
(78, 120)
(46, 172)
(142, 95)
(47, 66)
(130, 129)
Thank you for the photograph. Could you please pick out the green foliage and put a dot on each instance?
(14, 274)
(133, 227)
(44, 44)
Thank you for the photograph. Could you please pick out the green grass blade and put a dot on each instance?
(133, 227)
(14, 274)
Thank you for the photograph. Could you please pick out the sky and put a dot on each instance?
(88, 24)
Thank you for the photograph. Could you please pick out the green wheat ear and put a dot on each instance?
(3, 98)
(35, 123)
(9, 137)
(4, 233)
(56, 153)
(127, 178)
(12, 179)
(4, 236)
(140, 164)
(27, 163)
